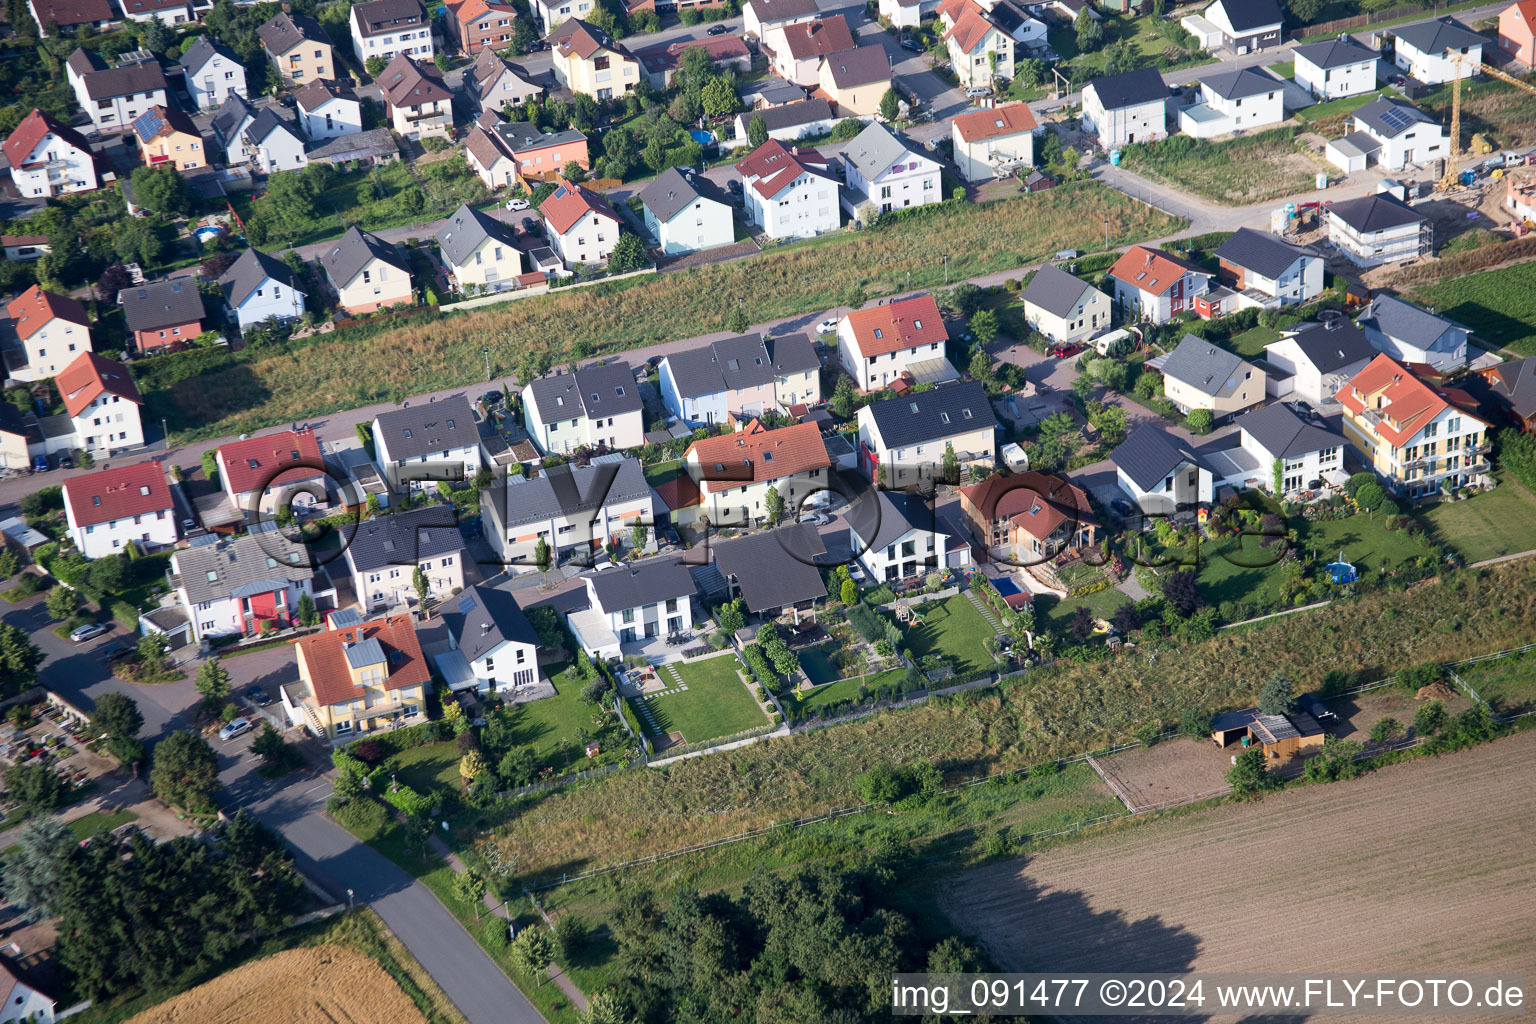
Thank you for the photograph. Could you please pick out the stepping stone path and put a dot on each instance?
(986, 613)
(644, 707)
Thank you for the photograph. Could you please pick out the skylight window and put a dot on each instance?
(407, 432)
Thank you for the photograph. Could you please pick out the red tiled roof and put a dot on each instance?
(32, 130)
(1012, 119)
(569, 203)
(466, 11)
(91, 375)
(952, 9)
(251, 464)
(766, 454)
(9, 240)
(679, 492)
(818, 38)
(897, 325)
(1527, 11)
(1152, 270)
(970, 28)
(65, 13)
(117, 493)
(32, 309)
(583, 39)
(325, 657)
(1406, 403)
(776, 166)
(1037, 502)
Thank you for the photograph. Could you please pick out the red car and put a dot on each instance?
(1065, 351)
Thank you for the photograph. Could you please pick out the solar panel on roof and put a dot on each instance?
(1397, 118)
(466, 603)
(559, 193)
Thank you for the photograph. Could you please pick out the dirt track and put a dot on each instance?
(321, 985)
(1424, 866)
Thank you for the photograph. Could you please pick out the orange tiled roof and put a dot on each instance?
(32, 309)
(1152, 270)
(1037, 502)
(775, 166)
(325, 656)
(569, 203)
(970, 28)
(1012, 119)
(91, 375)
(1406, 403)
(765, 454)
(897, 325)
(118, 493)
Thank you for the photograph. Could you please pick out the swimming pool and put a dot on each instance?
(1006, 587)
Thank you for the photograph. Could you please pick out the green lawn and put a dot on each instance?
(1499, 305)
(429, 769)
(557, 727)
(98, 821)
(716, 702)
(1508, 685)
(1341, 106)
(1250, 344)
(1285, 70)
(1056, 615)
(818, 665)
(843, 689)
(952, 629)
(1500, 522)
(660, 472)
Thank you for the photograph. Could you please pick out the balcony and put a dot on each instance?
(1477, 449)
(1415, 464)
(429, 116)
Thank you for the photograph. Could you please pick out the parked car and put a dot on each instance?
(978, 90)
(530, 225)
(1065, 351)
(114, 651)
(66, 461)
(517, 204)
(734, 186)
(89, 631)
(236, 727)
(827, 326)
(260, 697)
(40, 464)
(1310, 703)
(912, 44)
(717, 30)
(1123, 508)
(815, 519)
(492, 397)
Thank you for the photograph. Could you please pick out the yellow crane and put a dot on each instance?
(1452, 177)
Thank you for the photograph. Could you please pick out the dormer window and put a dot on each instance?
(407, 432)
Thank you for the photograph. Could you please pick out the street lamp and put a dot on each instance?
(945, 258)
(349, 899)
(1106, 232)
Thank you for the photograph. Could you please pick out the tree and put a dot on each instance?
(373, 65)
(269, 746)
(730, 616)
(1370, 496)
(1249, 774)
(532, 952)
(160, 190)
(185, 772)
(843, 398)
(422, 585)
(117, 716)
(307, 613)
(62, 602)
(1429, 718)
(881, 784)
(10, 565)
(19, 658)
(472, 765)
(1386, 730)
(773, 505)
(1198, 421)
(718, 98)
(541, 555)
(213, 683)
(736, 321)
(1305, 11)
(890, 106)
(984, 327)
(606, 1007)
(36, 787)
(639, 534)
(1082, 624)
(757, 131)
(628, 254)
(848, 593)
(981, 365)
(1125, 619)
(1182, 592)
(107, 575)
(1277, 697)
(470, 887)
(32, 871)
(1090, 34)
(157, 38)
(112, 280)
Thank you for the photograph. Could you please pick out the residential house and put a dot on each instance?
(734, 471)
(489, 633)
(384, 552)
(112, 508)
(162, 314)
(726, 53)
(882, 170)
(19, 435)
(761, 16)
(633, 602)
(1198, 375)
(795, 50)
(273, 144)
(739, 378)
(113, 97)
(22, 1001)
(789, 193)
(371, 147)
(589, 62)
(1438, 51)
(1258, 270)
(1378, 229)
(1234, 101)
(241, 585)
(980, 51)
(1162, 473)
(480, 25)
(1274, 446)
(992, 143)
(1402, 134)
(554, 13)
(1517, 31)
(1336, 68)
(358, 680)
(479, 251)
(167, 137)
(493, 84)
(856, 80)
(1129, 107)
(259, 288)
(1418, 438)
(772, 571)
(328, 110)
(48, 158)
(1063, 308)
(897, 536)
(577, 511)
(229, 125)
(906, 14)
(300, 49)
(904, 440)
(383, 28)
(791, 121)
(1154, 285)
(878, 344)
(597, 406)
(518, 153)
(262, 474)
(167, 12)
(1029, 519)
(582, 227)
(419, 104)
(769, 91)
(416, 446)
(53, 330)
(71, 16)
(1317, 359)
(102, 404)
(1510, 388)
(367, 273)
(686, 212)
(24, 248)
(1412, 334)
(1246, 25)
(1519, 197)
(213, 74)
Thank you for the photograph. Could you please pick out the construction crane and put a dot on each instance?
(1452, 177)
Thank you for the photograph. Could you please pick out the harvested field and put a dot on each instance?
(320, 985)
(1422, 866)
(1172, 770)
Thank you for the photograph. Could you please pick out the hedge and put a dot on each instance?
(411, 736)
(346, 764)
(408, 800)
(126, 614)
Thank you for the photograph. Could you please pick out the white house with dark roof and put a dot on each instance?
(1246, 25)
(479, 251)
(789, 122)
(1231, 101)
(1128, 107)
(898, 540)
(489, 634)
(1258, 270)
(1412, 334)
(882, 170)
(234, 116)
(1198, 375)
(383, 28)
(272, 143)
(1161, 472)
(366, 272)
(903, 440)
(383, 554)
(633, 602)
(427, 442)
(22, 1002)
(1336, 68)
(598, 405)
(492, 83)
(576, 510)
(113, 96)
(686, 212)
(1317, 359)
(258, 288)
(1064, 309)
(772, 571)
(232, 586)
(1378, 229)
(1438, 51)
(212, 73)
(1276, 438)
(1403, 135)
(741, 378)
(790, 193)
(328, 110)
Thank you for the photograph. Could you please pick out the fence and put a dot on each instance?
(1337, 25)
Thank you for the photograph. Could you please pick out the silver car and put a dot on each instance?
(236, 727)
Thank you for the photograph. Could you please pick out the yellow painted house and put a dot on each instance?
(589, 62)
(358, 679)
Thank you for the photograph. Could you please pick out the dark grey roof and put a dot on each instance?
(523, 135)
(859, 66)
(790, 115)
(1370, 214)
(929, 415)
(1204, 367)
(1334, 344)
(1240, 84)
(124, 80)
(232, 112)
(1054, 290)
(1336, 53)
(773, 568)
(566, 490)
(149, 307)
(83, 61)
(632, 584)
(354, 251)
(1284, 434)
(345, 617)
(771, 11)
(284, 31)
(466, 229)
(793, 353)
(606, 389)
(483, 618)
(267, 121)
(1261, 252)
(404, 538)
(774, 91)
(899, 513)
(321, 91)
(1389, 118)
(428, 428)
(731, 364)
(1129, 88)
(1247, 15)
(1437, 36)
(1150, 453)
(388, 15)
(1404, 322)
(201, 52)
(248, 564)
(672, 192)
(1515, 384)
(376, 143)
(873, 150)
(246, 274)
(1357, 144)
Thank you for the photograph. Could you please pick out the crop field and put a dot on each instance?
(1498, 305)
(1250, 169)
(319, 985)
(1422, 866)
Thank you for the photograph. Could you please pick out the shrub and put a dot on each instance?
(408, 800)
(361, 814)
(1428, 718)
(1249, 774)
